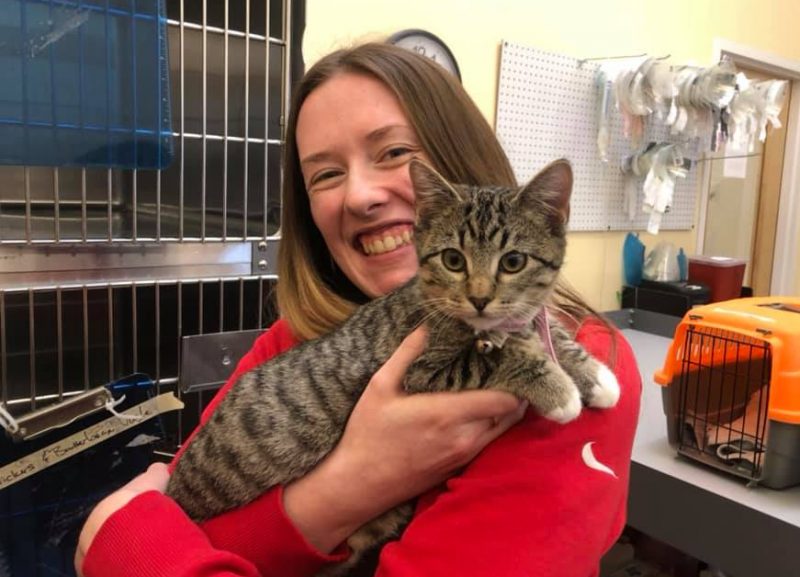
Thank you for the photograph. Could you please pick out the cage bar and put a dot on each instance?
(265, 207)
(200, 315)
(205, 122)
(182, 160)
(84, 214)
(226, 56)
(180, 332)
(246, 173)
(85, 296)
(135, 127)
(221, 306)
(158, 206)
(32, 347)
(28, 217)
(111, 372)
(241, 301)
(3, 351)
(135, 331)
(109, 204)
(234, 33)
(60, 343)
(56, 207)
(260, 303)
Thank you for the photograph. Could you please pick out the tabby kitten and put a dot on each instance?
(488, 261)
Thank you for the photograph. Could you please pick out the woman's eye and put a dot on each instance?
(396, 152)
(453, 260)
(322, 176)
(513, 261)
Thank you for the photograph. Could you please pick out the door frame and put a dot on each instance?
(787, 234)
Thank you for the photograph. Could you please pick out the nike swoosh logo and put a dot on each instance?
(592, 462)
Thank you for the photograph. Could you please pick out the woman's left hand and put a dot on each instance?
(154, 479)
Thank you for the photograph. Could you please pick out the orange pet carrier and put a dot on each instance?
(731, 388)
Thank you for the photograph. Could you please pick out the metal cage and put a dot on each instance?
(104, 271)
(107, 272)
(59, 342)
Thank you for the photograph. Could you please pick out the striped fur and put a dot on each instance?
(282, 418)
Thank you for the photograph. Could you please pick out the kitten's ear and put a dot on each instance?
(431, 189)
(553, 185)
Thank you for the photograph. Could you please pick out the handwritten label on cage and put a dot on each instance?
(97, 433)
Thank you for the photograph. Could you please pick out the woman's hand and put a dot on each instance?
(394, 447)
(154, 479)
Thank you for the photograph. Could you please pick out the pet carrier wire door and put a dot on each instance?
(732, 388)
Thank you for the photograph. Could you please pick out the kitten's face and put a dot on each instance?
(490, 256)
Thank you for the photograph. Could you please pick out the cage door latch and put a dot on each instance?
(61, 414)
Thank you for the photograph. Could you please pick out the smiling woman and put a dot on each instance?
(501, 491)
(355, 143)
(399, 105)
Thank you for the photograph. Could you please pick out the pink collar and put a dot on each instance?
(542, 323)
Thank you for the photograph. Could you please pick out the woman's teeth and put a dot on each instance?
(386, 243)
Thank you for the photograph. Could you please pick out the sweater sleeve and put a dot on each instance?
(152, 536)
(534, 502)
(260, 531)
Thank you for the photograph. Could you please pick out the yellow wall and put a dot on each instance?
(473, 29)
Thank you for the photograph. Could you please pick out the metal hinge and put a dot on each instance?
(265, 257)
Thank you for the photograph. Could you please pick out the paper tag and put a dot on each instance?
(97, 433)
(734, 163)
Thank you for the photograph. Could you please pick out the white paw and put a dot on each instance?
(569, 411)
(606, 393)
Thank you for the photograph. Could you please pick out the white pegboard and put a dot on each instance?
(547, 109)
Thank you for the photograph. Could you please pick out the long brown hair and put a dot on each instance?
(312, 294)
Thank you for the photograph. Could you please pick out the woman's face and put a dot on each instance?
(355, 143)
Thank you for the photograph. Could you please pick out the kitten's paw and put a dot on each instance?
(605, 393)
(568, 411)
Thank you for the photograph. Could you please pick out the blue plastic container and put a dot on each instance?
(84, 83)
(633, 259)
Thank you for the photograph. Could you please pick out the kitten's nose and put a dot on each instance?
(479, 303)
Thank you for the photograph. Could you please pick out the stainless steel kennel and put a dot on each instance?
(106, 271)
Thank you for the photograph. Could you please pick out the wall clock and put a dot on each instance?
(428, 45)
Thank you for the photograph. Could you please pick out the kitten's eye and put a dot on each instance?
(513, 261)
(453, 260)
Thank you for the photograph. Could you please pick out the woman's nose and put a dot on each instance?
(365, 192)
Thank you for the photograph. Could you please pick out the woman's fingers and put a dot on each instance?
(155, 478)
(499, 425)
(474, 433)
(476, 405)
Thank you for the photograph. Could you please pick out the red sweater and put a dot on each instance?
(527, 505)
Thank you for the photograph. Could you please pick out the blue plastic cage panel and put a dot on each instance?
(84, 83)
